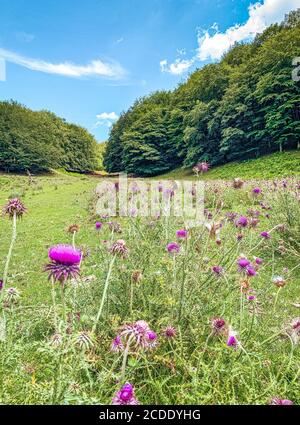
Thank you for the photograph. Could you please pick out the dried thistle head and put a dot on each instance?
(74, 228)
(237, 183)
(136, 276)
(119, 248)
(14, 207)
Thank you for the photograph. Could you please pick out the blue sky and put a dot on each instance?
(87, 61)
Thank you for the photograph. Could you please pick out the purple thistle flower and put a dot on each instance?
(173, 247)
(125, 396)
(64, 254)
(281, 402)
(258, 261)
(265, 235)
(218, 325)
(14, 207)
(231, 341)
(243, 263)
(65, 262)
(250, 271)
(181, 234)
(139, 335)
(98, 225)
(169, 332)
(117, 344)
(1, 284)
(256, 191)
(218, 270)
(242, 221)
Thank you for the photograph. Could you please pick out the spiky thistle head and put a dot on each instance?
(14, 207)
(65, 263)
(84, 341)
(119, 248)
(73, 228)
(125, 396)
(138, 335)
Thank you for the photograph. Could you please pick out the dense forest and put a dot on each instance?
(243, 107)
(39, 141)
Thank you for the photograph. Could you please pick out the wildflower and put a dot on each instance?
(117, 344)
(254, 222)
(1, 284)
(98, 225)
(279, 281)
(281, 402)
(56, 339)
(114, 227)
(201, 167)
(14, 207)
(231, 216)
(258, 261)
(119, 248)
(294, 330)
(243, 263)
(181, 234)
(251, 295)
(65, 263)
(125, 396)
(265, 235)
(173, 247)
(138, 334)
(74, 228)
(152, 337)
(218, 270)
(218, 325)
(242, 221)
(213, 229)
(239, 236)
(237, 183)
(169, 332)
(250, 271)
(12, 295)
(218, 241)
(136, 276)
(232, 340)
(84, 341)
(256, 191)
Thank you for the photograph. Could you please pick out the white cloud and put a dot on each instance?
(176, 68)
(95, 68)
(106, 119)
(107, 116)
(212, 47)
(260, 17)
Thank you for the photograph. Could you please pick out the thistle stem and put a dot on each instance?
(13, 240)
(104, 293)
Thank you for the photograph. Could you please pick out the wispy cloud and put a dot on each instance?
(95, 68)
(106, 119)
(213, 46)
(176, 68)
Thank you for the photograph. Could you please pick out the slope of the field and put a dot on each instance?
(267, 167)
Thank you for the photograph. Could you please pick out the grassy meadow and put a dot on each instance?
(71, 360)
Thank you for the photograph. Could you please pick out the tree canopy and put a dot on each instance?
(244, 106)
(39, 141)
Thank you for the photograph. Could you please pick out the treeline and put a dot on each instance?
(39, 141)
(244, 106)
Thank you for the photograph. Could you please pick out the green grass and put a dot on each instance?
(195, 367)
(267, 167)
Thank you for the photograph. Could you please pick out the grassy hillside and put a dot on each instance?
(267, 167)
